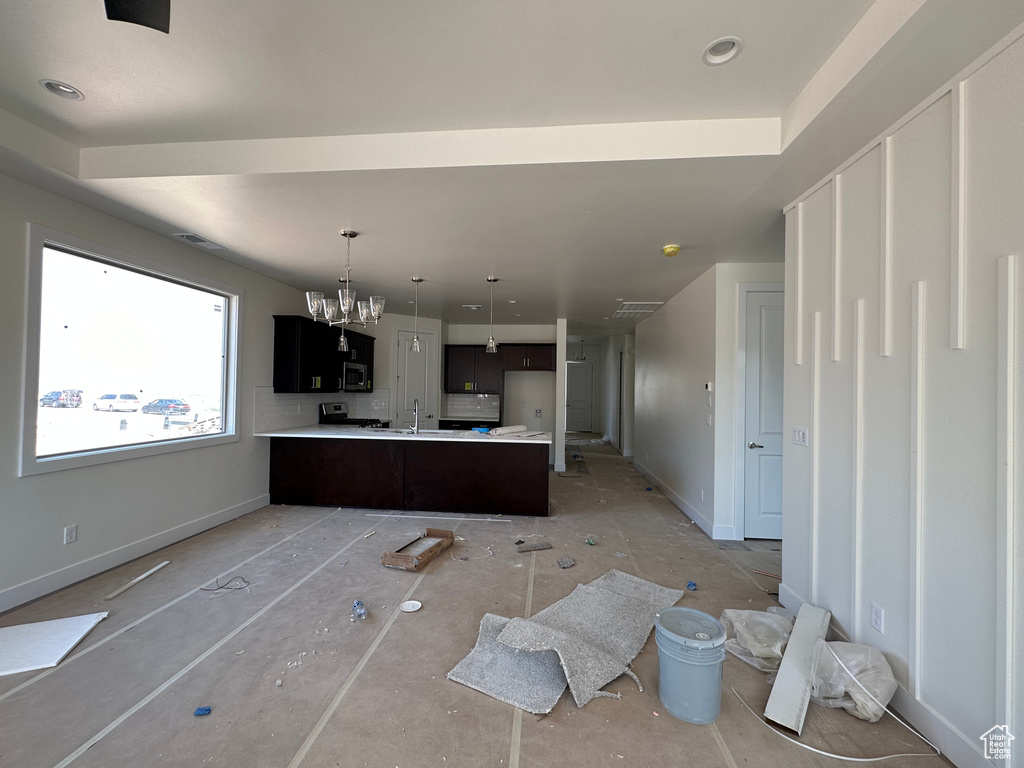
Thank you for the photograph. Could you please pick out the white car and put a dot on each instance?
(116, 403)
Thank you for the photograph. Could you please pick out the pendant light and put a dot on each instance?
(346, 303)
(491, 346)
(416, 318)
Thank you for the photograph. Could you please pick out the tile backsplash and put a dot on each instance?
(282, 411)
(459, 406)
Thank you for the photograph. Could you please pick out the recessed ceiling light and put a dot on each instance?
(722, 50)
(519, 314)
(65, 91)
(511, 301)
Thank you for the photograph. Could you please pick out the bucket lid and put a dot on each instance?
(691, 628)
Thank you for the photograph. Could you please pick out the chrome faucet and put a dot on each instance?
(415, 416)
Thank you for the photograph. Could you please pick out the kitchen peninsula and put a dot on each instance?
(435, 470)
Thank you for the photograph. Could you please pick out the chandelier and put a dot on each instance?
(346, 303)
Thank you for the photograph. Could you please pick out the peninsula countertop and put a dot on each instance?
(338, 431)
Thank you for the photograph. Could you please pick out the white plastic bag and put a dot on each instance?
(832, 686)
(756, 637)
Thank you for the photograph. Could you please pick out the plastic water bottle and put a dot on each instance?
(358, 611)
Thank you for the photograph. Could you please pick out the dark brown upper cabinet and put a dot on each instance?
(528, 357)
(468, 369)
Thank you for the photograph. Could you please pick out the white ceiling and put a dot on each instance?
(555, 145)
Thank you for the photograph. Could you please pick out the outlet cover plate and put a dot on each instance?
(878, 618)
(71, 534)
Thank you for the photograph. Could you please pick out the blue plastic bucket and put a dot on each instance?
(691, 649)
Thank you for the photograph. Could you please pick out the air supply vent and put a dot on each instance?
(639, 309)
(474, 307)
(194, 239)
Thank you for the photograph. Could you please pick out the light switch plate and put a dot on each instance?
(800, 436)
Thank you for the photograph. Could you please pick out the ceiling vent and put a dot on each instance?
(194, 239)
(639, 309)
(473, 306)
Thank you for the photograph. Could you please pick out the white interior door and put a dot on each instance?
(762, 510)
(417, 379)
(579, 406)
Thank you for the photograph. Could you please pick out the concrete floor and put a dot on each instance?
(374, 693)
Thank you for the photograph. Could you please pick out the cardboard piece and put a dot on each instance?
(420, 551)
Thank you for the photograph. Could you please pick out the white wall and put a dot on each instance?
(612, 347)
(123, 509)
(503, 334)
(904, 358)
(692, 340)
(675, 356)
(524, 393)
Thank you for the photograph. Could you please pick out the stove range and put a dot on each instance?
(337, 413)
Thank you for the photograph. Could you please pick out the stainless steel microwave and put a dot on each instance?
(354, 377)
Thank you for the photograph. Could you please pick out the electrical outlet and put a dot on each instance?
(878, 618)
(709, 401)
(800, 436)
(707, 420)
(71, 534)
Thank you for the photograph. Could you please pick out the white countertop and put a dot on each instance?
(333, 431)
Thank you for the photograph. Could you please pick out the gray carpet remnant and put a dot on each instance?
(530, 681)
(585, 640)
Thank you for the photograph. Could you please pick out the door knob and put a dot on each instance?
(752, 444)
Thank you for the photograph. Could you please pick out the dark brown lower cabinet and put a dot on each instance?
(428, 475)
(348, 473)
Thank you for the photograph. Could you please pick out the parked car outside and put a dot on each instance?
(116, 403)
(166, 406)
(62, 398)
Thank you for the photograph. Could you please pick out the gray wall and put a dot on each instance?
(122, 509)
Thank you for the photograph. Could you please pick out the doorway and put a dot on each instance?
(579, 395)
(759, 396)
(416, 379)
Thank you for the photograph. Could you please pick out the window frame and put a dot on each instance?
(40, 237)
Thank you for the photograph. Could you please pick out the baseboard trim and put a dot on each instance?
(959, 749)
(790, 600)
(33, 589)
(705, 525)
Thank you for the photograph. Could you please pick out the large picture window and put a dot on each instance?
(122, 359)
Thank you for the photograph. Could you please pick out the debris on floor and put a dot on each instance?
(590, 542)
(692, 586)
(566, 562)
(853, 677)
(621, 554)
(227, 585)
(368, 535)
(787, 704)
(536, 547)
(518, 542)
(201, 711)
(136, 580)
(420, 551)
(765, 573)
(26, 647)
(757, 638)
